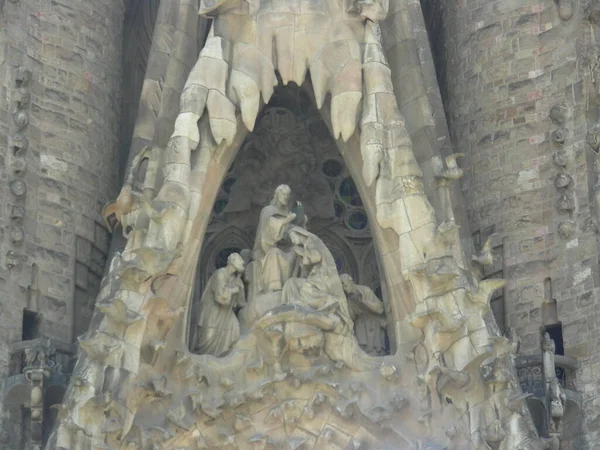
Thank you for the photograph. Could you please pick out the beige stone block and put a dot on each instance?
(397, 28)
(402, 57)
(374, 54)
(411, 253)
(314, 425)
(402, 224)
(369, 114)
(424, 240)
(348, 427)
(387, 109)
(419, 211)
(332, 438)
(179, 172)
(377, 78)
(320, 80)
(186, 127)
(417, 114)
(336, 55)
(411, 85)
(193, 99)
(246, 92)
(344, 113)
(405, 171)
(222, 117)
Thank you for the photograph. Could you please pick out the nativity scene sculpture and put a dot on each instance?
(293, 270)
(297, 378)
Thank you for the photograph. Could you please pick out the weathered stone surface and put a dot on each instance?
(518, 81)
(306, 338)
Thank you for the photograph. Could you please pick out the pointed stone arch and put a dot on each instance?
(208, 173)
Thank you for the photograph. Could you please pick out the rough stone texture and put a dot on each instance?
(508, 71)
(448, 365)
(503, 66)
(73, 52)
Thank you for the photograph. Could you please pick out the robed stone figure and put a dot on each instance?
(319, 286)
(218, 328)
(367, 312)
(273, 252)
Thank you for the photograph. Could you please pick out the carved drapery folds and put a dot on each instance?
(298, 377)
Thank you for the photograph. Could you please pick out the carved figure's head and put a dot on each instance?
(282, 195)
(237, 262)
(347, 282)
(297, 236)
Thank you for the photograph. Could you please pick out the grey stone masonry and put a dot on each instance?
(52, 189)
(514, 83)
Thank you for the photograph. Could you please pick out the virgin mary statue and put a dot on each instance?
(319, 286)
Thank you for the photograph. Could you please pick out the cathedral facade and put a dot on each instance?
(299, 224)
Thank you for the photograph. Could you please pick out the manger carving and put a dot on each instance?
(288, 371)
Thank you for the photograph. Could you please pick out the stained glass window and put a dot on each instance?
(339, 209)
(220, 205)
(358, 220)
(332, 168)
(349, 193)
(228, 183)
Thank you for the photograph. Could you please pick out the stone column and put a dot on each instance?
(60, 75)
(515, 84)
(59, 116)
(407, 48)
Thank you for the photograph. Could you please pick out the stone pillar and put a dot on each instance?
(59, 117)
(408, 50)
(516, 103)
(60, 75)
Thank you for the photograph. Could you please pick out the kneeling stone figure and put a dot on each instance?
(218, 328)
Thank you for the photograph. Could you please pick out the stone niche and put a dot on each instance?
(291, 144)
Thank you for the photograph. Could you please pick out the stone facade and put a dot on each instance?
(515, 92)
(517, 81)
(60, 77)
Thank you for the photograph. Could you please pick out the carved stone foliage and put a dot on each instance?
(297, 376)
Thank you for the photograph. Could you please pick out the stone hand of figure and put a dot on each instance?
(290, 218)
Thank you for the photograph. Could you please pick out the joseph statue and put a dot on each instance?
(273, 251)
(218, 327)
